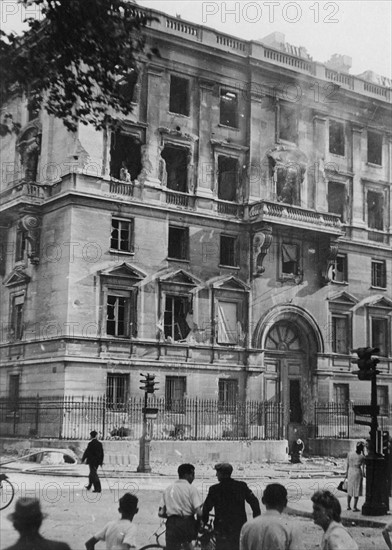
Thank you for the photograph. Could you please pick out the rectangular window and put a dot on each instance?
(13, 390)
(383, 399)
(121, 237)
(227, 178)
(339, 269)
(179, 95)
(228, 108)
(118, 314)
(20, 245)
(227, 322)
(337, 199)
(342, 395)
(125, 157)
(379, 273)
(127, 86)
(177, 309)
(379, 329)
(290, 259)
(174, 168)
(17, 306)
(228, 393)
(336, 138)
(178, 243)
(340, 334)
(117, 387)
(228, 247)
(374, 148)
(287, 122)
(375, 210)
(175, 390)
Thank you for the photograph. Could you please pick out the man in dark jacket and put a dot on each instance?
(93, 456)
(228, 498)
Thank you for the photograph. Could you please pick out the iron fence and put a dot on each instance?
(336, 420)
(192, 419)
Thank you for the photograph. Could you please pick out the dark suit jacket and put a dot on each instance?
(36, 542)
(94, 453)
(228, 499)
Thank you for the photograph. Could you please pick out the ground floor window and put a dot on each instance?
(228, 393)
(175, 391)
(117, 387)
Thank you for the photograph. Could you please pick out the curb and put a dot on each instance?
(347, 522)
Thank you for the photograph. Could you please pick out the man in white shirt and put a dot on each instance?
(271, 530)
(180, 503)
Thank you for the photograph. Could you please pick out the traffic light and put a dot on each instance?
(366, 363)
(148, 383)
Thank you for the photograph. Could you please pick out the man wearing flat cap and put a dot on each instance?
(27, 518)
(93, 456)
(228, 499)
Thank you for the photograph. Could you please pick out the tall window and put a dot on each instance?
(383, 399)
(337, 198)
(125, 156)
(179, 95)
(342, 395)
(287, 123)
(13, 389)
(20, 245)
(121, 237)
(228, 392)
(176, 167)
(227, 178)
(340, 334)
(228, 108)
(339, 269)
(117, 387)
(17, 306)
(127, 86)
(120, 313)
(175, 390)
(374, 148)
(375, 210)
(178, 243)
(336, 137)
(379, 328)
(227, 322)
(175, 323)
(290, 259)
(379, 273)
(228, 254)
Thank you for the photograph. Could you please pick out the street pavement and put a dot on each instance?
(75, 514)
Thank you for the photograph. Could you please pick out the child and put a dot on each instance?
(119, 534)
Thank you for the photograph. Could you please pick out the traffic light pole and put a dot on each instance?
(144, 443)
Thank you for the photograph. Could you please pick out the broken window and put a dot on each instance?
(227, 322)
(375, 210)
(117, 319)
(227, 178)
(17, 307)
(177, 309)
(228, 254)
(287, 122)
(336, 137)
(228, 108)
(374, 148)
(340, 334)
(379, 274)
(127, 86)
(379, 327)
(337, 198)
(176, 160)
(20, 245)
(290, 262)
(117, 390)
(125, 157)
(178, 243)
(121, 237)
(179, 95)
(339, 269)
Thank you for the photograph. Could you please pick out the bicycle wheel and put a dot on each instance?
(7, 493)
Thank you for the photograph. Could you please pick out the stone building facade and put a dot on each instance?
(233, 236)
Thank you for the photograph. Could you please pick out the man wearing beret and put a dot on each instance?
(228, 499)
(93, 456)
(27, 519)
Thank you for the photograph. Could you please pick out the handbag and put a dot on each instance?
(343, 486)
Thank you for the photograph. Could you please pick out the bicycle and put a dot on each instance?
(7, 492)
(205, 538)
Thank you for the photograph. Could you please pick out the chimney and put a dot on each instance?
(340, 63)
(275, 40)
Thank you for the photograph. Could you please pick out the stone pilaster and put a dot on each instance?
(317, 180)
(154, 90)
(205, 180)
(358, 197)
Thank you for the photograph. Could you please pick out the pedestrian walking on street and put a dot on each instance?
(228, 499)
(119, 534)
(93, 456)
(271, 531)
(180, 503)
(354, 475)
(326, 514)
(27, 519)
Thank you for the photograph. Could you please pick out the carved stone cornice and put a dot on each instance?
(329, 257)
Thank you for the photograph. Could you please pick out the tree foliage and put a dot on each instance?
(74, 60)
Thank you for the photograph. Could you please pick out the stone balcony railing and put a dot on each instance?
(23, 192)
(290, 215)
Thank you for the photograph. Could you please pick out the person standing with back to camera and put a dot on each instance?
(354, 475)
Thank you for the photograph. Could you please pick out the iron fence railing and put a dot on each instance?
(193, 419)
(337, 421)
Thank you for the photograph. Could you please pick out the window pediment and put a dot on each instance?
(180, 277)
(124, 271)
(17, 277)
(229, 283)
(383, 302)
(343, 298)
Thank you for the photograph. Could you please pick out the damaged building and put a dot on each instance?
(231, 236)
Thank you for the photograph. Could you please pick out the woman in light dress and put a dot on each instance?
(354, 475)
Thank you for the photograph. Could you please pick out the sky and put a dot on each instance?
(360, 29)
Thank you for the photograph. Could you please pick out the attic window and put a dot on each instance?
(125, 157)
(336, 138)
(227, 178)
(374, 149)
(176, 168)
(228, 108)
(179, 95)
